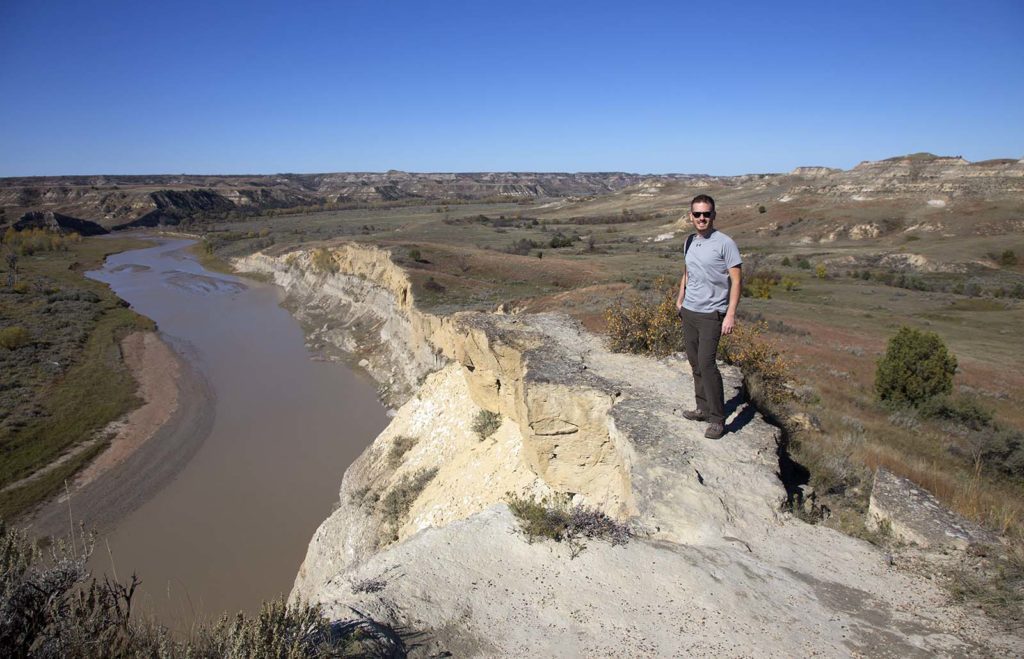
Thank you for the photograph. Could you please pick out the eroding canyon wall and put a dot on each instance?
(422, 540)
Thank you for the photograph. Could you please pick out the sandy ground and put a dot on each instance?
(157, 370)
(150, 445)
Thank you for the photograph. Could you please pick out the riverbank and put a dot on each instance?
(149, 446)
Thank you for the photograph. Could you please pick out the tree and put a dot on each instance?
(916, 367)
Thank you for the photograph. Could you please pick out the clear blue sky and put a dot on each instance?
(720, 88)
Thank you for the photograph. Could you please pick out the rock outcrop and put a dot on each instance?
(912, 515)
(422, 538)
(60, 223)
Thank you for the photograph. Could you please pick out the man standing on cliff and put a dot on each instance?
(709, 293)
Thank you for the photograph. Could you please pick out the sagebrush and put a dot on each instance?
(557, 519)
(51, 606)
(644, 326)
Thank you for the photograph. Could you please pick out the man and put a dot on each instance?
(709, 293)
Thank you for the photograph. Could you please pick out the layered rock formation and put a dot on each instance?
(130, 201)
(136, 201)
(58, 223)
(422, 539)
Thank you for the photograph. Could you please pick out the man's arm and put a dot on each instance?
(735, 288)
(682, 291)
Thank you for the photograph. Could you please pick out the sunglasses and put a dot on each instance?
(707, 214)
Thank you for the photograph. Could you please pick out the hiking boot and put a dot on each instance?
(715, 431)
(695, 415)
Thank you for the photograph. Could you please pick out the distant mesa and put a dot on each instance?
(57, 222)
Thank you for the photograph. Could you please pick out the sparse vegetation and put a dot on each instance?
(323, 261)
(1007, 258)
(994, 582)
(486, 424)
(765, 370)
(394, 506)
(63, 377)
(433, 285)
(556, 519)
(400, 445)
(52, 607)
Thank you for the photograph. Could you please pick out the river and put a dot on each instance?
(230, 527)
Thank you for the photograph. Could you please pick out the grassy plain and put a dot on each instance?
(68, 380)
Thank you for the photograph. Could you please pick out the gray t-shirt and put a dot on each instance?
(707, 265)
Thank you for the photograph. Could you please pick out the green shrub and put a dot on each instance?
(415, 255)
(916, 367)
(557, 520)
(560, 240)
(964, 410)
(760, 284)
(396, 503)
(486, 424)
(523, 246)
(786, 262)
(762, 209)
(803, 264)
(14, 336)
(1001, 449)
(1007, 259)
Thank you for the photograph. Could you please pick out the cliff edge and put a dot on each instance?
(423, 540)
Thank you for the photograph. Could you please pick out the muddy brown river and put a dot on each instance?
(229, 527)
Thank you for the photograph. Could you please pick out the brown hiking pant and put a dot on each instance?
(701, 333)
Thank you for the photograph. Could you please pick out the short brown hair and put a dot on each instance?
(703, 199)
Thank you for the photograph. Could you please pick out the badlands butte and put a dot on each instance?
(839, 528)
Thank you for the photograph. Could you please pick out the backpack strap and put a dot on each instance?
(686, 247)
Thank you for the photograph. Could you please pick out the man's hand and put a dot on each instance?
(729, 323)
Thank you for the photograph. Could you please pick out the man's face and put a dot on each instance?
(702, 216)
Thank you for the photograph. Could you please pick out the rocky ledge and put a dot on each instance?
(422, 538)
